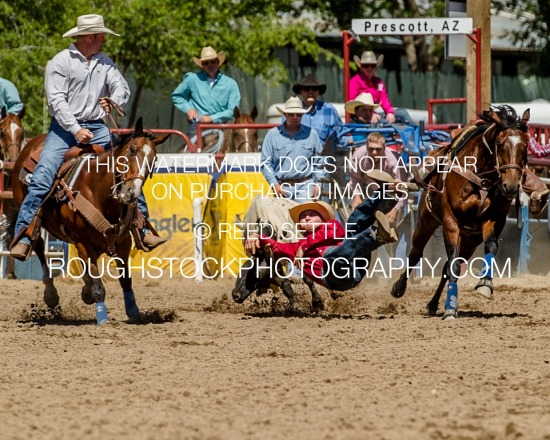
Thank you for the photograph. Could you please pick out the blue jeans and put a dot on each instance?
(58, 141)
(343, 269)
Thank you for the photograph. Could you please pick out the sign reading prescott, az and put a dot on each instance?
(412, 26)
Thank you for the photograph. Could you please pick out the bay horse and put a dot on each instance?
(12, 135)
(470, 199)
(96, 213)
(241, 140)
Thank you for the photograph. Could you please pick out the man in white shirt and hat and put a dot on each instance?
(291, 155)
(77, 82)
(208, 96)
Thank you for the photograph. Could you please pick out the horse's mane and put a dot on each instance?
(123, 139)
(507, 115)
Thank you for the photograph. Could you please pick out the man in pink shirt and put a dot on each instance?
(366, 82)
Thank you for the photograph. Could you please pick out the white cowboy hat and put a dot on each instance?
(323, 208)
(362, 99)
(293, 105)
(368, 57)
(209, 53)
(89, 24)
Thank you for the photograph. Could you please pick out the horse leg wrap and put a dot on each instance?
(451, 303)
(488, 268)
(101, 313)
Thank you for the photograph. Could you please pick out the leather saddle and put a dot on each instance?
(72, 157)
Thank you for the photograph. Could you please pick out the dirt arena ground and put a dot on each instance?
(201, 367)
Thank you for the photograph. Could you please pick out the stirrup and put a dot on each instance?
(21, 251)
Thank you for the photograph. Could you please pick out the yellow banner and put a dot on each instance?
(228, 202)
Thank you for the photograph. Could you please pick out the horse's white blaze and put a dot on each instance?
(515, 140)
(14, 129)
(516, 143)
(246, 139)
(146, 166)
(137, 185)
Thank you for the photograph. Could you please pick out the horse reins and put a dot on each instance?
(111, 125)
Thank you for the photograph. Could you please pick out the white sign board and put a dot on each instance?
(412, 26)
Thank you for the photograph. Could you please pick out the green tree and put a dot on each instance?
(157, 43)
(31, 36)
(534, 16)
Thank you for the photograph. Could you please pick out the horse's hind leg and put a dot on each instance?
(423, 231)
(485, 285)
(51, 298)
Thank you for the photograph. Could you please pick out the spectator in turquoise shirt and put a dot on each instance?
(207, 96)
(9, 97)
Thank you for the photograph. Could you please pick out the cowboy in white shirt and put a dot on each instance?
(78, 80)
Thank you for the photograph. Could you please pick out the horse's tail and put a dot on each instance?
(7, 226)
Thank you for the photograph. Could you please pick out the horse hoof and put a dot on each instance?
(51, 298)
(485, 291)
(397, 291)
(133, 314)
(11, 276)
(317, 306)
(449, 315)
(432, 312)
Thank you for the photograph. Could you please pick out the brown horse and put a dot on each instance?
(96, 214)
(11, 140)
(241, 140)
(470, 199)
(11, 135)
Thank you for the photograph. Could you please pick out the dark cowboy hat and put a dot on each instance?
(309, 81)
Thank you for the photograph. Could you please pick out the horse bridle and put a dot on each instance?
(498, 168)
(124, 177)
(241, 144)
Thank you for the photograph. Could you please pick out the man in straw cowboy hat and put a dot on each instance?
(325, 252)
(207, 96)
(322, 116)
(367, 82)
(361, 109)
(77, 83)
